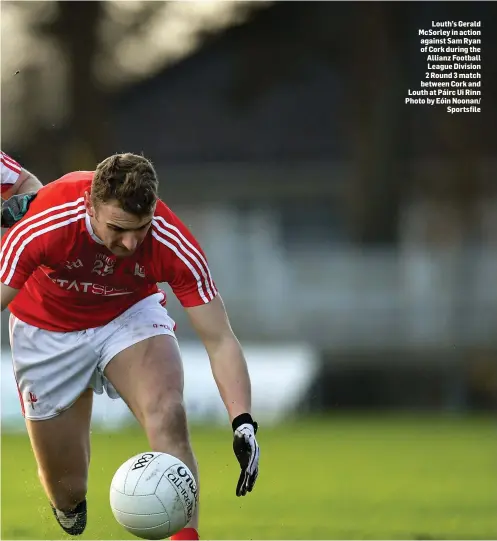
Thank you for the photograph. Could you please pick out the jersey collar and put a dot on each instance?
(90, 230)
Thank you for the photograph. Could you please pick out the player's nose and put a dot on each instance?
(130, 242)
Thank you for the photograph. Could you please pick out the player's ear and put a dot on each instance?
(88, 205)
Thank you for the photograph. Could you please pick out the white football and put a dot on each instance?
(153, 495)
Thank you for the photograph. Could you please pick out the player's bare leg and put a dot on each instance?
(149, 377)
(61, 446)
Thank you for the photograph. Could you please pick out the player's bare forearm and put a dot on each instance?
(28, 183)
(228, 364)
(7, 295)
(230, 372)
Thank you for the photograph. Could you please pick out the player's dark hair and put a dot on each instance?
(130, 180)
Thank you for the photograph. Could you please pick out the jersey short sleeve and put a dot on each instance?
(20, 256)
(42, 237)
(11, 172)
(181, 262)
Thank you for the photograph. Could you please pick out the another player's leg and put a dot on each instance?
(149, 377)
(61, 446)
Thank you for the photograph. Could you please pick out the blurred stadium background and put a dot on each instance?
(353, 239)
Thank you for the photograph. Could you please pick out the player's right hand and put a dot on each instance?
(246, 451)
(14, 208)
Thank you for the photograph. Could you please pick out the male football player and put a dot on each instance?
(79, 274)
(18, 188)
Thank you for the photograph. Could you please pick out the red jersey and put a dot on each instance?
(70, 281)
(11, 171)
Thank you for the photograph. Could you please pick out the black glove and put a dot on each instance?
(14, 208)
(246, 451)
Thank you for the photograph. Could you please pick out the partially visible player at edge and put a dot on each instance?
(18, 187)
(79, 274)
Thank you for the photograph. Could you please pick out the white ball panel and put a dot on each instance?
(138, 505)
(181, 480)
(158, 531)
(139, 467)
(152, 475)
(173, 502)
(142, 522)
(119, 479)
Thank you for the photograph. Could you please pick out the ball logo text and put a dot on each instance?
(144, 459)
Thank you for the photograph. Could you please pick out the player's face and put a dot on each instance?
(120, 231)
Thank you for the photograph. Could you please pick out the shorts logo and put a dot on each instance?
(32, 399)
(161, 326)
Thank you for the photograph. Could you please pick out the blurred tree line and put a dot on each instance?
(86, 40)
(367, 42)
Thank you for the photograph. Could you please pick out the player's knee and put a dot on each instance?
(65, 491)
(166, 419)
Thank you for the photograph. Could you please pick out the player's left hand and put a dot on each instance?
(246, 451)
(14, 208)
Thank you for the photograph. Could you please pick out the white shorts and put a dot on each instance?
(53, 369)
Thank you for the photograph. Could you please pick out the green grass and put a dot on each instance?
(339, 478)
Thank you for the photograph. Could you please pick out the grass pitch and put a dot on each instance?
(337, 478)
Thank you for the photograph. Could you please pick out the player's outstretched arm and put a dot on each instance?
(19, 188)
(7, 294)
(26, 183)
(229, 369)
